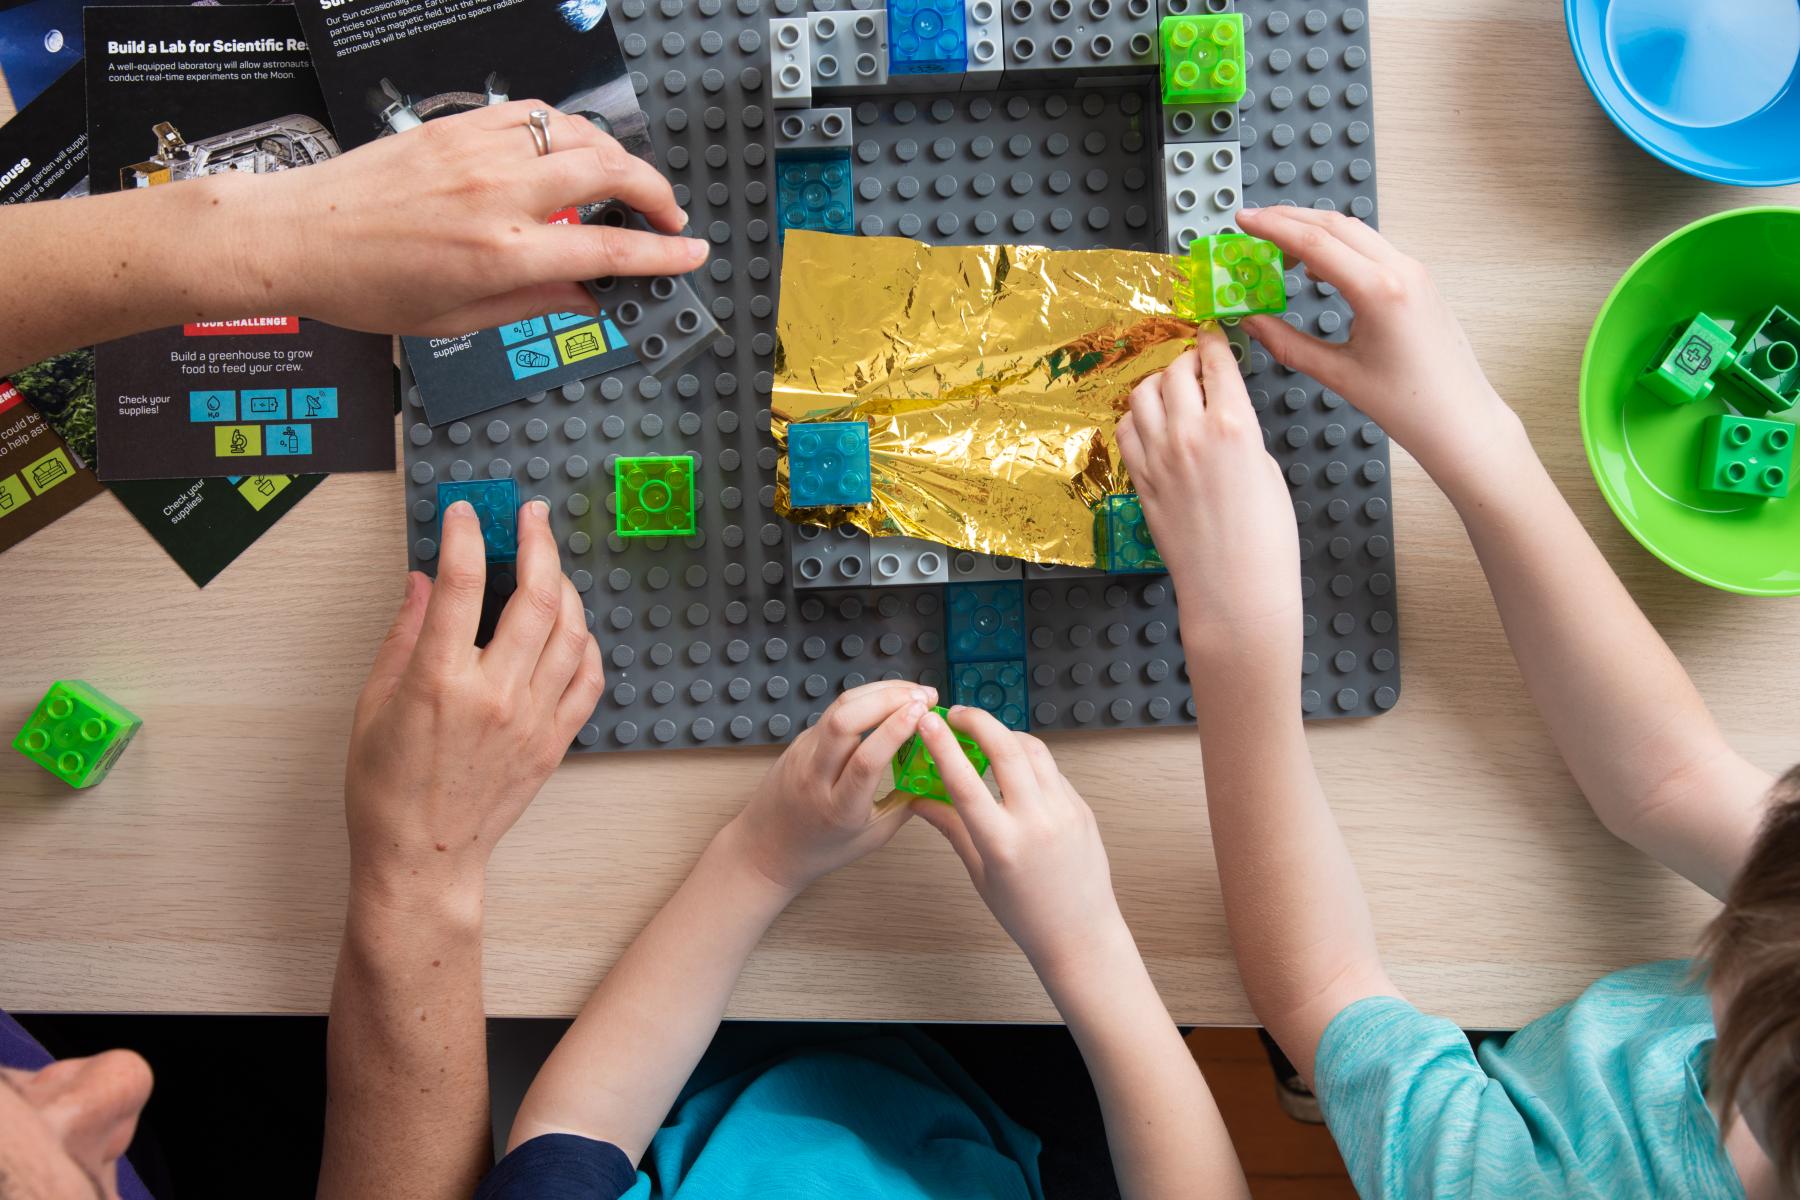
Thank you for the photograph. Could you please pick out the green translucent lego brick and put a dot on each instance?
(1746, 457)
(1686, 366)
(915, 772)
(1203, 58)
(77, 733)
(1768, 361)
(1230, 275)
(655, 496)
(1121, 536)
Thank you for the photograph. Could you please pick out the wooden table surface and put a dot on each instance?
(208, 873)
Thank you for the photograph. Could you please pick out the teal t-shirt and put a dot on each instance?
(890, 1115)
(1605, 1098)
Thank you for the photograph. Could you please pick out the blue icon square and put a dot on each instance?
(287, 439)
(828, 463)
(315, 404)
(212, 406)
(534, 359)
(519, 331)
(568, 320)
(265, 404)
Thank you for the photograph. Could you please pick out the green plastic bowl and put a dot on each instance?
(1645, 453)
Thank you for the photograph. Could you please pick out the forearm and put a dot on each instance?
(1627, 719)
(406, 1113)
(1164, 1130)
(1295, 909)
(90, 269)
(619, 1068)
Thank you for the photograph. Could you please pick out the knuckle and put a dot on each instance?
(543, 600)
(574, 640)
(1312, 239)
(1391, 285)
(839, 722)
(462, 578)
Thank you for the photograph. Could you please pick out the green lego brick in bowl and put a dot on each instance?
(1646, 453)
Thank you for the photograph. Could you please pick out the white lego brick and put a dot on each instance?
(987, 41)
(849, 51)
(1203, 189)
(790, 62)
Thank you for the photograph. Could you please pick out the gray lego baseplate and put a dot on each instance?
(745, 631)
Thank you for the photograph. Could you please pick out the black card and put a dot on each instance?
(386, 68)
(178, 94)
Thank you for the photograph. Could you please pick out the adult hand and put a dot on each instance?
(1408, 364)
(815, 810)
(450, 741)
(1035, 854)
(440, 230)
(1218, 508)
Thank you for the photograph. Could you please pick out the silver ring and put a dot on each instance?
(538, 121)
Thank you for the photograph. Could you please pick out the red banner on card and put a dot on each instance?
(10, 396)
(241, 326)
(568, 216)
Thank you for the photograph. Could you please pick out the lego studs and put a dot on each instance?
(1203, 59)
(77, 733)
(654, 496)
(1743, 456)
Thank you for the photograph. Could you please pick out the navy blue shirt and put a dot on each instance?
(560, 1166)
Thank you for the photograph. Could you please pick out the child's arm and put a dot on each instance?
(620, 1067)
(1625, 716)
(1219, 510)
(1036, 858)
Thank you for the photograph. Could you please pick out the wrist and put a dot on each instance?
(1080, 971)
(1491, 433)
(415, 905)
(735, 850)
(251, 221)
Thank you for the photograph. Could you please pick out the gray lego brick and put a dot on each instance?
(1078, 42)
(849, 51)
(905, 561)
(968, 567)
(800, 130)
(712, 640)
(825, 558)
(1203, 189)
(790, 62)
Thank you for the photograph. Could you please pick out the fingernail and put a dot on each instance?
(915, 710)
(697, 249)
(921, 695)
(540, 508)
(931, 721)
(461, 510)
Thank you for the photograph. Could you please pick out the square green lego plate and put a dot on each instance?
(1645, 453)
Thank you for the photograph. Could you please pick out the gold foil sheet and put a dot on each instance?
(992, 378)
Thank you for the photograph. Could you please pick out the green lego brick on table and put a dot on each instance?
(1230, 275)
(915, 772)
(77, 733)
(655, 496)
(1122, 537)
(1687, 366)
(1744, 456)
(1202, 58)
(1768, 361)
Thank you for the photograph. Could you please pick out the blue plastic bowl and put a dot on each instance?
(1711, 87)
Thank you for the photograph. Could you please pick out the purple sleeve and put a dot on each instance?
(20, 1051)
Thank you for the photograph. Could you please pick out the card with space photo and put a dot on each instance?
(176, 94)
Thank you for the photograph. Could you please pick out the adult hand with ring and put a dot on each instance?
(441, 229)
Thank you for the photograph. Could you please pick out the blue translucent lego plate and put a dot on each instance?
(1711, 87)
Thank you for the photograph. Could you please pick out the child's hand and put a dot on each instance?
(815, 810)
(1218, 508)
(1035, 854)
(1408, 363)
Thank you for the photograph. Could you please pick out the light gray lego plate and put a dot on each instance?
(708, 641)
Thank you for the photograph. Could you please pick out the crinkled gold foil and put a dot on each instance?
(992, 379)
